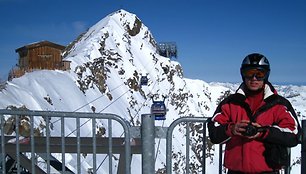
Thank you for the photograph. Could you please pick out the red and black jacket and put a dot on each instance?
(275, 112)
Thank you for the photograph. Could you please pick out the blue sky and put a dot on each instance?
(213, 36)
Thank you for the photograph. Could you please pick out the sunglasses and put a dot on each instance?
(260, 74)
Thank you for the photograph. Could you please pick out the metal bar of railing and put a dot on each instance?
(220, 157)
(17, 143)
(78, 145)
(288, 168)
(48, 143)
(303, 148)
(94, 146)
(3, 146)
(32, 145)
(204, 151)
(63, 144)
(187, 147)
(110, 150)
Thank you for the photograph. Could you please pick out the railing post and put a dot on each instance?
(148, 143)
(303, 148)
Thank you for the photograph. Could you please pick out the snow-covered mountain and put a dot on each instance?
(107, 63)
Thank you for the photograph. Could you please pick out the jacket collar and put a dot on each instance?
(269, 90)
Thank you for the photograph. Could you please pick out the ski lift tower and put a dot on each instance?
(167, 49)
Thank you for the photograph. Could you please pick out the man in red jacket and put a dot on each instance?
(252, 120)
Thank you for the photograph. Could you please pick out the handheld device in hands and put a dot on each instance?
(251, 130)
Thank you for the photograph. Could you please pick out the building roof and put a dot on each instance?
(39, 44)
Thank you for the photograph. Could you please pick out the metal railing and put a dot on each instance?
(48, 142)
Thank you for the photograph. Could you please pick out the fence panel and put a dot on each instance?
(186, 120)
(38, 141)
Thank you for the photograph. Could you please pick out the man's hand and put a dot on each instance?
(239, 128)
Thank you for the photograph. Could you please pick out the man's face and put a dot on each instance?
(253, 84)
(254, 77)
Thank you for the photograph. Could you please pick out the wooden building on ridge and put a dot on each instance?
(39, 55)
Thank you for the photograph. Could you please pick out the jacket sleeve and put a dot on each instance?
(218, 124)
(277, 136)
(286, 131)
(217, 132)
